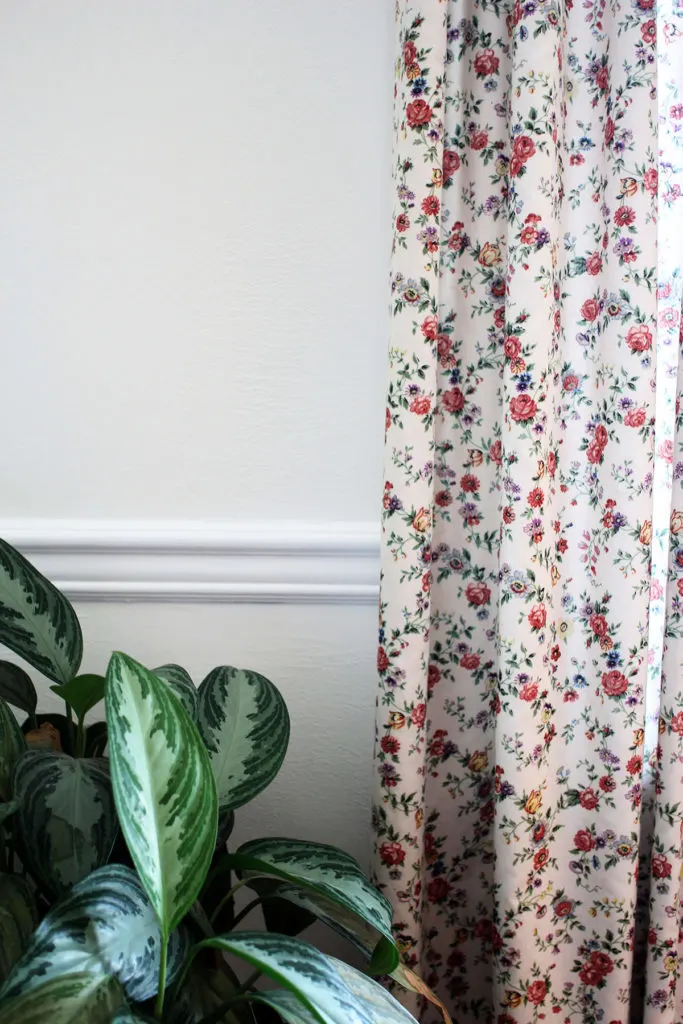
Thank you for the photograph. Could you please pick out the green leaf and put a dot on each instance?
(68, 999)
(16, 686)
(106, 925)
(67, 820)
(178, 680)
(36, 620)
(12, 746)
(18, 918)
(244, 723)
(81, 693)
(327, 872)
(380, 1007)
(163, 786)
(313, 978)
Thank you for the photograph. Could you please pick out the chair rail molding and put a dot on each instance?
(203, 561)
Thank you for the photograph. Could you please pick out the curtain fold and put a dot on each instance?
(530, 711)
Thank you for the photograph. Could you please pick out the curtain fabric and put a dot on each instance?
(529, 752)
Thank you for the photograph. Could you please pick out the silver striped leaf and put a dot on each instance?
(18, 919)
(12, 746)
(244, 723)
(163, 787)
(333, 876)
(67, 819)
(380, 1005)
(105, 925)
(16, 687)
(178, 680)
(36, 620)
(309, 975)
(67, 999)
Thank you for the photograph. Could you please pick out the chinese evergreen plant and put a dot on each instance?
(116, 884)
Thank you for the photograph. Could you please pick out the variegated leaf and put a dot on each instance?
(107, 924)
(380, 1006)
(16, 687)
(163, 786)
(313, 978)
(18, 918)
(244, 723)
(178, 680)
(67, 999)
(67, 820)
(327, 872)
(36, 620)
(12, 746)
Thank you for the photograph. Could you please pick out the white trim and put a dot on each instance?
(158, 561)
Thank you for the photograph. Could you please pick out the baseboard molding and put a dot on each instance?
(162, 561)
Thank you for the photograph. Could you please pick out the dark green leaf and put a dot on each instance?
(12, 746)
(18, 918)
(16, 686)
(81, 693)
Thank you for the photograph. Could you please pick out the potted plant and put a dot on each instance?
(116, 884)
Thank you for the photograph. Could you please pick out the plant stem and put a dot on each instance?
(70, 723)
(226, 899)
(80, 738)
(246, 910)
(159, 1007)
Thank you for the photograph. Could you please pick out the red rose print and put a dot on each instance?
(570, 382)
(602, 78)
(601, 436)
(607, 784)
(453, 400)
(486, 63)
(508, 514)
(537, 616)
(602, 962)
(651, 180)
(522, 408)
(402, 222)
(418, 715)
(529, 691)
(513, 346)
(443, 499)
(539, 832)
(583, 840)
(479, 139)
(594, 264)
(392, 853)
(524, 147)
(536, 992)
(598, 623)
(515, 166)
(677, 723)
(478, 594)
(430, 327)
(437, 890)
(382, 660)
(634, 765)
(496, 452)
(433, 675)
(590, 975)
(470, 661)
(590, 309)
(409, 53)
(418, 113)
(563, 908)
(661, 868)
(499, 317)
(421, 405)
(609, 131)
(635, 417)
(536, 497)
(614, 683)
(639, 338)
(648, 31)
(528, 236)
(541, 858)
(588, 799)
(451, 163)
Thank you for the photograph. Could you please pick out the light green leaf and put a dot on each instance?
(36, 620)
(67, 820)
(163, 786)
(244, 723)
(16, 686)
(313, 978)
(12, 746)
(181, 683)
(328, 873)
(380, 1006)
(106, 925)
(81, 693)
(18, 918)
(68, 999)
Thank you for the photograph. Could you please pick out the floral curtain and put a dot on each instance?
(530, 716)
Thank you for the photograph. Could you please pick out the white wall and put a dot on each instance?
(194, 236)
